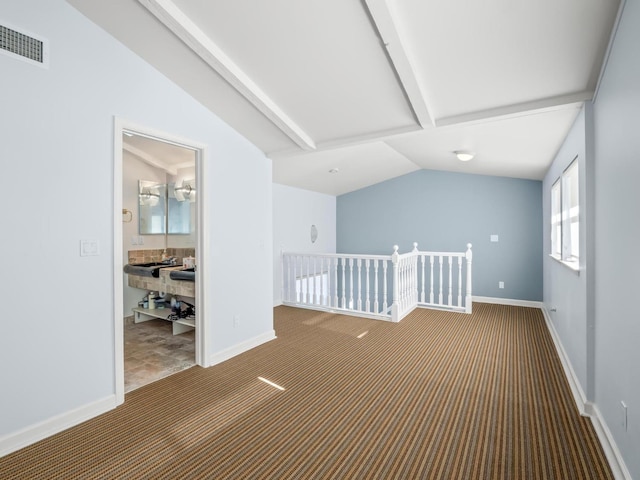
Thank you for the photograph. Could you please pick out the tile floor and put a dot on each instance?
(152, 352)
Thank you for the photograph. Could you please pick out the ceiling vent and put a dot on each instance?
(23, 46)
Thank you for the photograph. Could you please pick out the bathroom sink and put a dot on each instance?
(187, 274)
(149, 269)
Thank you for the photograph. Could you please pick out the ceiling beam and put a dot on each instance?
(517, 110)
(388, 32)
(187, 31)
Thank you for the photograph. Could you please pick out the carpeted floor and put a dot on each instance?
(439, 395)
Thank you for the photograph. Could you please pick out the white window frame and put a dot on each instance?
(565, 216)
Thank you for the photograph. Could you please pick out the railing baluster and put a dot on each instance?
(344, 266)
(431, 284)
(351, 283)
(375, 286)
(288, 281)
(359, 293)
(459, 281)
(468, 299)
(336, 263)
(422, 286)
(367, 301)
(440, 294)
(385, 305)
(295, 278)
(320, 282)
(450, 280)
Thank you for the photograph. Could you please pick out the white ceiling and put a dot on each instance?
(378, 88)
(160, 154)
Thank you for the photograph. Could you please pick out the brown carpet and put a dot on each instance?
(439, 395)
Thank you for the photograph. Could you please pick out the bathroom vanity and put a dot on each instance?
(164, 283)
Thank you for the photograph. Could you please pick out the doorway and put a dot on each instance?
(174, 167)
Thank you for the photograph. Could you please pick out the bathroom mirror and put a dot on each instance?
(152, 207)
(178, 211)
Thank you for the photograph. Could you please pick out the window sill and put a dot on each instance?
(573, 266)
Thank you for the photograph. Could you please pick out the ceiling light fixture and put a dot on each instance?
(463, 155)
(334, 170)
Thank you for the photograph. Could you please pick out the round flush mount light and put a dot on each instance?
(463, 155)
(334, 170)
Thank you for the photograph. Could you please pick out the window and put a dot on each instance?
(565, 216)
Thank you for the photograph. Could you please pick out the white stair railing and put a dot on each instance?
(362, 284)
(446, 276)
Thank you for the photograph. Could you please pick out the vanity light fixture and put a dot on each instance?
(463, 155)
(147, 197)
(186, 192)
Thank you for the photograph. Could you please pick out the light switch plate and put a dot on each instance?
(494, 238)
(89, 247)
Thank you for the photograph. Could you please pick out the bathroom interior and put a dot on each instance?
(159, 258)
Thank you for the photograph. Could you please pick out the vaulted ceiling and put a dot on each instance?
(378, 88)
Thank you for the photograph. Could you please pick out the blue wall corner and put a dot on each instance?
(443, 211)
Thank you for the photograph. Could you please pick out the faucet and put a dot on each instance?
(170, 260)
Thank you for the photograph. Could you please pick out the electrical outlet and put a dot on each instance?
(134, 239)
(236, 321)
(500, 284)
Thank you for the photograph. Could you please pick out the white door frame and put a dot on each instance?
(201, 235)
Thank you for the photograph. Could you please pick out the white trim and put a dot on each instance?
(118, 247)
(508, 301)
(516, 110)
(588, 409)
(202, 239)
(202, 229)
(574, 383)
(612, 37)
(242, 347)
(611, 451)
(573, 266)
(34, 433)
(193, 37)
(389, 34)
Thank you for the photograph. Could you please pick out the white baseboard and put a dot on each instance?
(589, 409)
(32, 434)
(611, 451)
(239, 348)
(576, 389)
(508, 301)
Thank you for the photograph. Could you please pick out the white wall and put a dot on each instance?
(596, 317)
(57, 156)
(565, 290)
(132, 171)
(617, 237)
(294, 211)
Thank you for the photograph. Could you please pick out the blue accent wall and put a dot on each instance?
(444, 211)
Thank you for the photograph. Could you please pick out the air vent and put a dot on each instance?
(23, 46)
